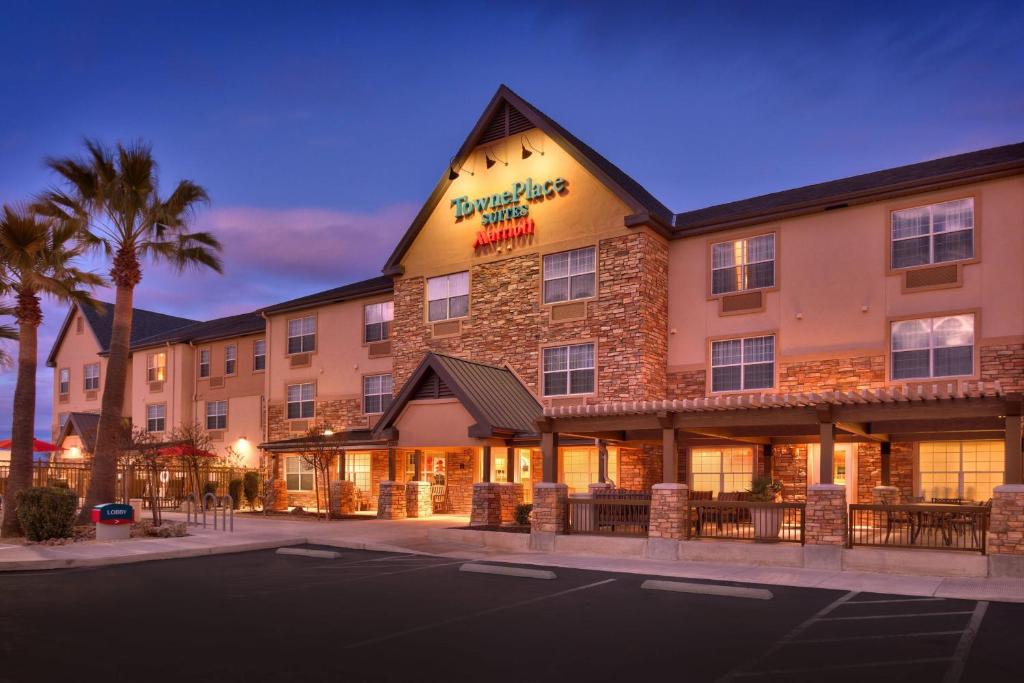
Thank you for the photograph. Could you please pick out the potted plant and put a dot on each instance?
(767, 519)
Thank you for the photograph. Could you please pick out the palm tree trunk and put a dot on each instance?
(103, 483)
(22, 426)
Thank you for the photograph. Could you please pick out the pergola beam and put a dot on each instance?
(861, 429)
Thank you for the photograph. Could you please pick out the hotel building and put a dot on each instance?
(546, 321)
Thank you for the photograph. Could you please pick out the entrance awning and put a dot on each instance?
(351, 439)
(492, 403)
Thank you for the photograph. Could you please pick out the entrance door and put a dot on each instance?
(522, 456)
(844, 467)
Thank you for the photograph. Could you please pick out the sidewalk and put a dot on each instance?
(428, 536)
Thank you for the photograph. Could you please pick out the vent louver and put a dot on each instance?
(432, 386)
(506, 121)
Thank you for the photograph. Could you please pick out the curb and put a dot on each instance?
(308, 552)
(708, 589)
(504, 570)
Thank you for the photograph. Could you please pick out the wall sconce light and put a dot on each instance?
(527, 153)
(492, 160)
(453, 172)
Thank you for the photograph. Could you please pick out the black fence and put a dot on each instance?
(746, 520)
(615, 512)
(947, 526)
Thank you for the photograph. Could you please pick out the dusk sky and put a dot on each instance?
(318, 128)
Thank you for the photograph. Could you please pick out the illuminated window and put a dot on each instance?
(960, 469)
(156, 367)
(64, 381)
(204, 362)
(570, 275)
(299, 474)
(937, 233)
(933, 347)
(357, 470)
(448, 296)
(216, 414)
(743, 264)
(722, 469)
(92, 377)
(376, 393)
(580, 467)
(302, 335)
(569, 370)
(259, 355)
(739, 364)
(377, 321)
(156, 415)
(300, 400)
(230, 359)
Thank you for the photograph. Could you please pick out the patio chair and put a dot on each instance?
(439, 498)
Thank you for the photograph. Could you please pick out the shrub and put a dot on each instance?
(235, 491)
(251, 487)
(47, 512)
(523, 511)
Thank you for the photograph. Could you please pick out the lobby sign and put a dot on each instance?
(503, 215)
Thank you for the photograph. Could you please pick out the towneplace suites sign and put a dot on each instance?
(506, 215)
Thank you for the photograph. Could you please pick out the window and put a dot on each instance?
(376, 393)
(204, 362)
(722, 469)
(569, 370)
(580, 467)
(64, 381)
(216, 414)
(156, 415)
(570, 275)
(936, 233)
(448, 296)
(961, 469)
(740, 364)
(62, 419)
(299, 474)
(156, 367)
(302, 335)
(743, 264)
(92, 377)
(300, 400)
(230, 359)
(933, 347)
(357, 470)
(259, 355)
(377, 321)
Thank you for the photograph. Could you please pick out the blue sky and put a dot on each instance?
(333, 120)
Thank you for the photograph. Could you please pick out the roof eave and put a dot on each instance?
(283, 308)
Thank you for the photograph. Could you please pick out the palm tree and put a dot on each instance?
(7, 333)
(113, 194)
(36, 257)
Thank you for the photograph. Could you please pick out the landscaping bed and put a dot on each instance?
(506, 528)
(83, 533)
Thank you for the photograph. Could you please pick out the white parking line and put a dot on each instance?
(464, 617)
(895, 616)
(887, 636)
(963, 648)
(886, 602)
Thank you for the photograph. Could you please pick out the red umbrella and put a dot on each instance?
(37, 446)
(183, 450)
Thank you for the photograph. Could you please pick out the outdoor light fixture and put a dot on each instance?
(453, 173)
(523, 142)
(491, 161)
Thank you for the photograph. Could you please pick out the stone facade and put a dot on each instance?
(550, 503)
(1006, 531)
(417, 499)
(843, 374)
(339, 414)
(669, 516)
(486, 504)
(687, 384)
(885, 495)
(789, 465)
(825, 522)
(511, 497)
(392, 500)
(1004, 363)
(343, 497)
(627, 320)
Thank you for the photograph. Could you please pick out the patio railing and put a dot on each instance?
(937, 527)
(746, 520)
(615, 512)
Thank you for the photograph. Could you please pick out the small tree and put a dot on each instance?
(191, 445)
(319, 450)
(251, 488)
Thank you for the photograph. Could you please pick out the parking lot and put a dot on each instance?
(394, 617)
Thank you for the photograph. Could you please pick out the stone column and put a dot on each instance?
(280, 491)
(511, 497)
(825, 526)
(1006, 531)
(885, 495)
(417, 499)
(486, 509)
(343, 497)
(391, 503)
(669, 519)
(550, 503)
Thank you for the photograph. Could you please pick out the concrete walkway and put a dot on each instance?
(426, 536)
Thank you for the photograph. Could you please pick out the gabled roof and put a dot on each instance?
(101, 322)
(382, 284)
(219, 328)
(893, 182)
(629, 190)
(84, 425)
(501, 405)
